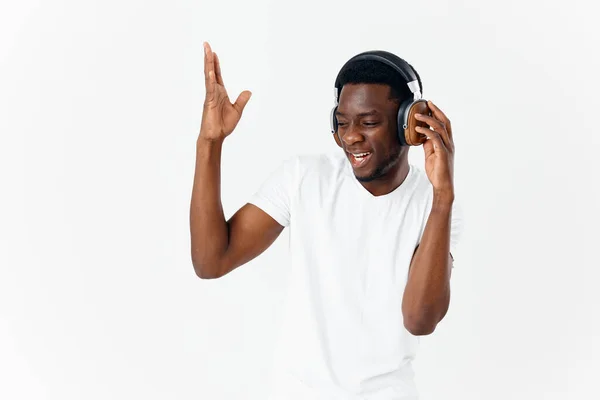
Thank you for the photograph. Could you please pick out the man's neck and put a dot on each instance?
(390, 181)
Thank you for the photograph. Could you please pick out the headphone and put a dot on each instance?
(406, 121)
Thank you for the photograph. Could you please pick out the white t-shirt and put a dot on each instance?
(342, 335)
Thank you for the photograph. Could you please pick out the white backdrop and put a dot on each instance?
(100, 107)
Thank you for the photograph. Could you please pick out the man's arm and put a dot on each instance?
(219, 246)
(427, 293)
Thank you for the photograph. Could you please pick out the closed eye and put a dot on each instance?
(364, 123)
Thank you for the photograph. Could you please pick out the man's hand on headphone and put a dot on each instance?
(220, 116)
(439, 151)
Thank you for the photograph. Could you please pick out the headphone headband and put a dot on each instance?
(392, 60)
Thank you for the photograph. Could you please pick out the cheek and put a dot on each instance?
(389, 141)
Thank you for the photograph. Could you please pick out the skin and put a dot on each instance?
(366, 123)
(219, 246)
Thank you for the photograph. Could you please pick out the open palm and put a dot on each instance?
(220, 116)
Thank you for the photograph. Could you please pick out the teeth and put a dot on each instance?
(360, 155)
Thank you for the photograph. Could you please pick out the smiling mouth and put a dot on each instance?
(359, 159)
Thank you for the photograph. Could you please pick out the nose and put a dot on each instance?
(351, 135)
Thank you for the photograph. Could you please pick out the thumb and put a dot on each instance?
(242, 100)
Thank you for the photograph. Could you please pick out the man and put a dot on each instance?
(370, 236)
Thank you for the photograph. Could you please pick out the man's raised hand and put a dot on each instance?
(219, 117)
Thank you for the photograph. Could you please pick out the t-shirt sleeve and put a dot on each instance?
(275, 194)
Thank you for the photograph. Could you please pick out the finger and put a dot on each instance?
(242, 100)
(441, 116)
(208, 59)
(438, 126)
(428, 148)
(218, 70)
(209, 73)
(431, 121)
(437, 112)
(438, 143)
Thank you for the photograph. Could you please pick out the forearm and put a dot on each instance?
(427, 293)
(208, 227)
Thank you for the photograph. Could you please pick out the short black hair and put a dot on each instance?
(371, 71)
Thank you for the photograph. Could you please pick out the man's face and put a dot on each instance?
(367, 129)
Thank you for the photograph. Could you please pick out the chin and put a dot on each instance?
(367, 176)
(364, 178)
(377, 170)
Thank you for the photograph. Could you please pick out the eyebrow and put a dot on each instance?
(363, 114)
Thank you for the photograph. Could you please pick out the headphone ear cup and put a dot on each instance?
(333, 120)
(411, 136)
(334, 127)
(404, 106)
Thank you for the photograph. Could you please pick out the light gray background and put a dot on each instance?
(100, 108)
